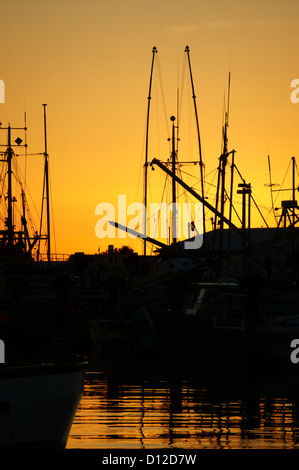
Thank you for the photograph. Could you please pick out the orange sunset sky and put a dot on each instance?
(90, 62)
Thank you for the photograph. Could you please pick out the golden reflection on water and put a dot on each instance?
(177, 413)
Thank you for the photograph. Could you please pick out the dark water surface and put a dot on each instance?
(164, 404)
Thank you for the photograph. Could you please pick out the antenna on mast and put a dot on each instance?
(221, 174)
(226, 123)
(146, 151)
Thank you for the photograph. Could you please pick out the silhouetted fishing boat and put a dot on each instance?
(257, 265)
(256, 259)
(38, 404)
(41, 373)
(39, 298)
(255, 316)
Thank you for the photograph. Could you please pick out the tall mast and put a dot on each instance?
(221, 177)
(198, 133)
(9, 222)
(293, 187)
(230, 206)
(146, 151)
(47, 185)
(173, 166)
(225, 153)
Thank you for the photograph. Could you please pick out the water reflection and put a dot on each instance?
(154, 404)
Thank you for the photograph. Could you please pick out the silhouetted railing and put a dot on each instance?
(55, 257)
